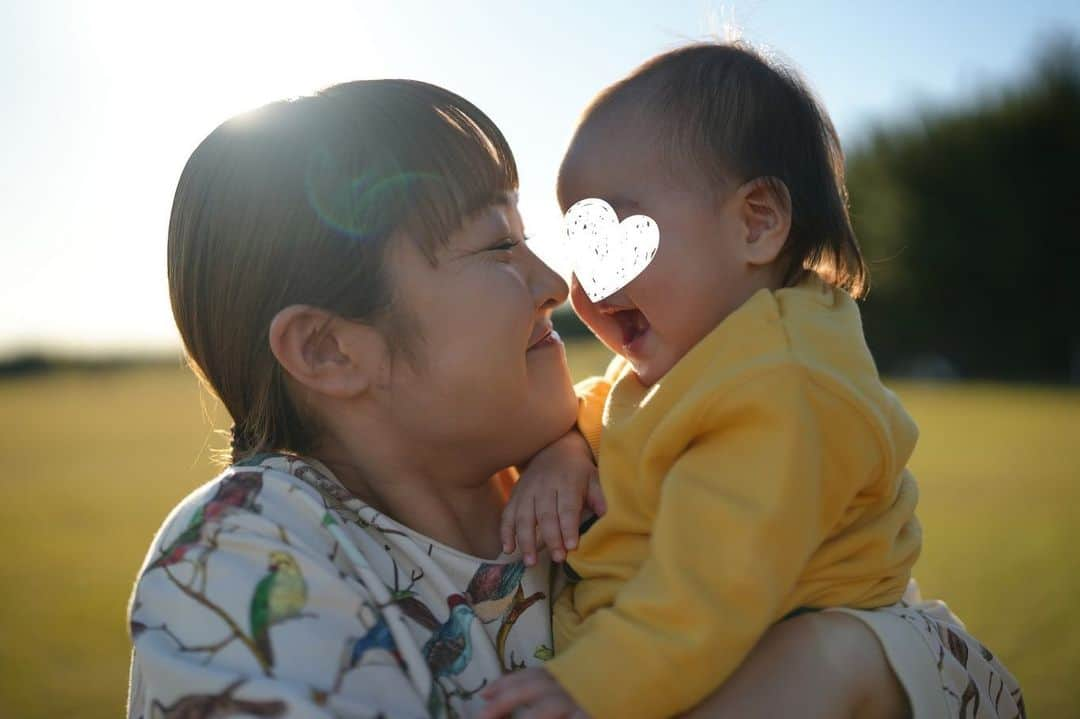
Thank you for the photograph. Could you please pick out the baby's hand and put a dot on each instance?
(535, 687)
(548, 499)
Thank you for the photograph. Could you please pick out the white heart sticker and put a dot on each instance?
(607, 253)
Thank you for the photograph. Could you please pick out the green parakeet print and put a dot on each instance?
(280, 595)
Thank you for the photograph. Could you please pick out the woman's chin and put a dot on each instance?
(552, 407)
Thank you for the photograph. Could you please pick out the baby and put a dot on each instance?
(752, 464)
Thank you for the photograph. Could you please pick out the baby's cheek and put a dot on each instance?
(578, 299)
(583, 306)
(598, 323)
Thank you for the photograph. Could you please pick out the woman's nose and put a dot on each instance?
(548, 288)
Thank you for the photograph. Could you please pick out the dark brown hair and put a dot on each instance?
(296, 203)
(740, 117)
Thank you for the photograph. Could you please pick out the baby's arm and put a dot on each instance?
(559, 481)
(549, 498)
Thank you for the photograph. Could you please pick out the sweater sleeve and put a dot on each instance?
(742, 509)
(592, 395)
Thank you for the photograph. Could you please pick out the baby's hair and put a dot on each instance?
(738, 116)
(297, 203)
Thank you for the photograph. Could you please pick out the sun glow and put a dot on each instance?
(151, 80)
(225, 57)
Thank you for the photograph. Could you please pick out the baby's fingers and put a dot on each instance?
(548, 708)
(547, 511)
(569, 518)
(506, 525)
(510, 692)
(525, 530)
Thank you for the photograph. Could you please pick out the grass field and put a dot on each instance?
(96, 460)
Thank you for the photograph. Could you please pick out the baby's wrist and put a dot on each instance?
(575, 444)
(571, 448)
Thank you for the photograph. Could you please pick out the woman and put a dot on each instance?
(349, 277)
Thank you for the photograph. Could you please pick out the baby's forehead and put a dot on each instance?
(608, 133)
(626, 174)
(623, 127)
(603, 161)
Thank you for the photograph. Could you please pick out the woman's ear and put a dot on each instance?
(326, 354)
(765, 211)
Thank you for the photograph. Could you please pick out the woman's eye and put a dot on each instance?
(507, 244)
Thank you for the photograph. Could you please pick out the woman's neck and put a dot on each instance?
(460, 511)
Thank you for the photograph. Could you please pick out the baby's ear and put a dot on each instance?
(326, 354)
(765, 211)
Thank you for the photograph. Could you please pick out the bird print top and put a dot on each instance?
(272, 591)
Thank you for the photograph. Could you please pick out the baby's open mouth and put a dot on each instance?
(632, 323)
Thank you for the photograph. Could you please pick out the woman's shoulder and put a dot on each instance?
(246, 588)
(273, 495)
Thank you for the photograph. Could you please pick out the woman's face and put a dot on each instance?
(489, 380)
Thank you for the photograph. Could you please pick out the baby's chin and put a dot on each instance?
(649, 370)
(649, 366)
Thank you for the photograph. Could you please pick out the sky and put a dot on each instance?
(104, 101)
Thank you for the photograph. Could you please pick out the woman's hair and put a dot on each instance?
(740, 117)
(296, 203)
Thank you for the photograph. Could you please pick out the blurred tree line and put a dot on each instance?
(970, 220)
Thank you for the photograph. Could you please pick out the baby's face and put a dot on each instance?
(698, 276)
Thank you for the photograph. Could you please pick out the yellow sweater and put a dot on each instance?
(764, 473)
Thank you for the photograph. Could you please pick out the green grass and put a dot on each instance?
(96, 460)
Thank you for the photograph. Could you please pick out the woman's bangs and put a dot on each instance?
(462, 165)
(408, 156)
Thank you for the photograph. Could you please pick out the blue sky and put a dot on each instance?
(104, 101)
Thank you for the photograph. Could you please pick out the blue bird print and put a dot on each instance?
(449, 650)
(378, 637)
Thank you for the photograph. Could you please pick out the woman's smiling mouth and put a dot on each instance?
(549, 338)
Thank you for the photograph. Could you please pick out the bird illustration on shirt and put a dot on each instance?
(222, 704)
(492, 588)
(449, 650)
(280, 595)
(179, 547)
(237, 490)
(377, 637)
